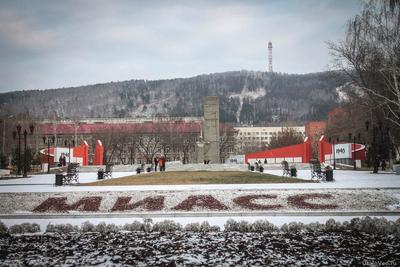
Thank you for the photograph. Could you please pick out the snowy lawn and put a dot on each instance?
(198, 177)
(342, 179)
(362, 195)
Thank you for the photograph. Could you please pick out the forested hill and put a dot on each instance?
(245, 96)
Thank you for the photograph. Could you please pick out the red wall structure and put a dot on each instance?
(98, 153)
(358, 151)
(82, 152)
(296, 153)
(44, 155)
(325, 148)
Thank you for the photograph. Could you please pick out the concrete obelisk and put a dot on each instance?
(211, 129)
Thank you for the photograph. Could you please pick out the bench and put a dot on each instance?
(285, 168)
(316, 170)
(108, 171)
(72, 175)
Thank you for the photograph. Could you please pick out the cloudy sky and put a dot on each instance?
(50, 44)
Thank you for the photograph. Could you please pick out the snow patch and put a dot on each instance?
(245, 93)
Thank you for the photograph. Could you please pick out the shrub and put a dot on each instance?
(87, 227)
(263, 226)
(215, 228)
(203, 227)
(231, 226)
(192, 227)
(3, 229)
(314, 226)
(244, 227)
(285, 228)
(332, 225)
(32, 228)
(24, 228)
(101, 227)
(16, 229)
(147, 225)
(112, 228)
(135, 226)
(167, 226)
(62, 228)
(293, 227)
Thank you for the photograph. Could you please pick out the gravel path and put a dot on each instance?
(342, 248)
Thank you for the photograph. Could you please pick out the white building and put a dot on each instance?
(260, 136)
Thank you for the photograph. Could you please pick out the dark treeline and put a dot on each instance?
(245, 96)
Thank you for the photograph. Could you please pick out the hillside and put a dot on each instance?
(245, 96)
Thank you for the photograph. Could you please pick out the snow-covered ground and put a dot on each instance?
(343, 179)
(183, 248)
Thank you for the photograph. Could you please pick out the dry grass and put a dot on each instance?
(197, 177)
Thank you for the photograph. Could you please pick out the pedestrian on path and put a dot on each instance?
(155, 163)
(162, 162)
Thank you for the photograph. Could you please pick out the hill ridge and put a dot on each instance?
(249, 97)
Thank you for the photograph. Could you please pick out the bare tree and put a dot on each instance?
(288, 136)
(227, 145)
(150, 140)
(184, 140)
(370, 55)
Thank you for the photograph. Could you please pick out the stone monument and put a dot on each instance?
(211, 129)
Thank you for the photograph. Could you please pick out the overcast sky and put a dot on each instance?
(51, 44)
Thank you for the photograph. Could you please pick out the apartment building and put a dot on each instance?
(250, 137)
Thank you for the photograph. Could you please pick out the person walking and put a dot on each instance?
(155, 163)
(60, 161)
(376, 163)
(162, 163)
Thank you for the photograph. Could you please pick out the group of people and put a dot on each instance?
(159, 162)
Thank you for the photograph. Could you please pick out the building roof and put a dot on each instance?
(146, 127)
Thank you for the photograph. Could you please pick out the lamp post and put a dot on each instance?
(15, 134)
(25, 133)
(333, 149)
(69, 143)
(334, 155)
(4, 136)
(24, 166)
(47, 141)
(353, 147)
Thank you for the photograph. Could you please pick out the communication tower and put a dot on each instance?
(270, 69)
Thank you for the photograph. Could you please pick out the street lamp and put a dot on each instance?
(333, 150)
(69, 143)
(25, 133)
(15, 134)
(47, 141)
(353, 155)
